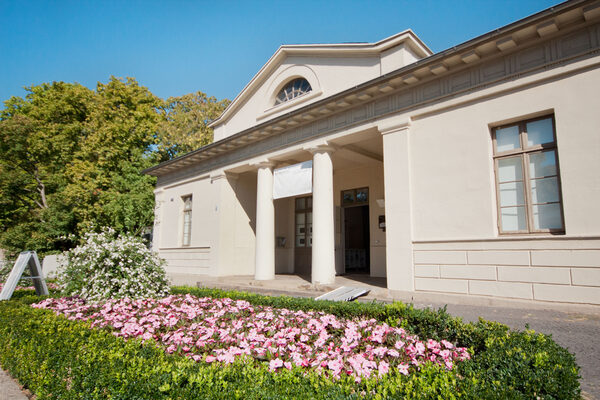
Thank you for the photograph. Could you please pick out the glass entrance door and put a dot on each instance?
(303, 236)
(356, 230)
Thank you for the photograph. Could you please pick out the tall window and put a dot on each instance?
(293, 89)
(304, 222)
(187, 220)
(527, 177)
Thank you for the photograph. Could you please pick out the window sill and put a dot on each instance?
(288, 104)
(510, 238)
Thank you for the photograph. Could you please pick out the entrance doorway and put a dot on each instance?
(303, 236)
(356, 231)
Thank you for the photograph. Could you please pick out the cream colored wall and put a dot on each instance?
(397, 57)
(457, 248)
(196, 258)
(550, 269)
(235, 228)
(327, 75)
(223, 223)
(370, 176)
(453, 191)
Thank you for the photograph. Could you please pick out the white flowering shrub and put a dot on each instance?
(106, 267)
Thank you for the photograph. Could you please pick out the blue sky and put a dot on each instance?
(177, 47)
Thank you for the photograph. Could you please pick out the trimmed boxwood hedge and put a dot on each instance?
(61, 359)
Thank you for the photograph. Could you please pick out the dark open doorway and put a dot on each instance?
(356, 240)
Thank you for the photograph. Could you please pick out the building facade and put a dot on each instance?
(473, 171)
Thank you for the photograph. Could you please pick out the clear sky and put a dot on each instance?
(175, 47)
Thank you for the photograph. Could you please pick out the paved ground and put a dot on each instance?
(9, 390)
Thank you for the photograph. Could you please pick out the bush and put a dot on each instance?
(59, 358)
(112, 267)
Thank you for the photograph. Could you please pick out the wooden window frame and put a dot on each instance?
(186, 241)
(524, 153)
(304, 211)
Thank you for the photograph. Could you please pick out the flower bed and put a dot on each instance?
(58, 356)
(223, 330)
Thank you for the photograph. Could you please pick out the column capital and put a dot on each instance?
(215, 176)
(387, 127)
(320, 148)
(266, 163)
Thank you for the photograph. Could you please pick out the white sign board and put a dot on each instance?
(293, 180)
(26, 259)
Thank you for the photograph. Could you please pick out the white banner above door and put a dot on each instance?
(293, 180)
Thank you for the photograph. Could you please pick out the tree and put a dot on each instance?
(71, 158)
(38, 139)
(106, 185)
(185, 127)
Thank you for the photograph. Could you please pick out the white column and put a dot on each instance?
(265, 224)
(323, 247)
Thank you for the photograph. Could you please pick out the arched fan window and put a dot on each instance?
(293, 89)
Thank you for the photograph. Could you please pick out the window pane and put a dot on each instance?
(348, 197)
(511, 194)
(300, 241)
(542, 164)
(309, 242)
(300, 229)
(309, 202)
(362, 195)
(547, 216)
(539, 132)
(299, 218)
(507, 139)
(309, 218)
(510, 169)
(513, 219)
(300, 203)
(544, 190)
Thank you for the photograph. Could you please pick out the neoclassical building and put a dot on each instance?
(473, 171)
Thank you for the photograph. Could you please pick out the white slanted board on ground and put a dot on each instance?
(344, 293)
(26, 259)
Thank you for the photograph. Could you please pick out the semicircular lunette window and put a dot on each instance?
(293, 89)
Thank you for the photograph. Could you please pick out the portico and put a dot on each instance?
(311, 236)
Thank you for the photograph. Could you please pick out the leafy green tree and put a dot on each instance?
(106, 185)
(38, 139)
(185, 127)
(71, 158)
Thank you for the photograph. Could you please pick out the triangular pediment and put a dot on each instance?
(328, 69)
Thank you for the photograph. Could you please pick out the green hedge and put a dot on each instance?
(61, 359)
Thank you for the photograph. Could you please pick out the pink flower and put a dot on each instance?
(383, 368)
(403, 368)
(274, 364)
(420, 347)
(223, 330)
